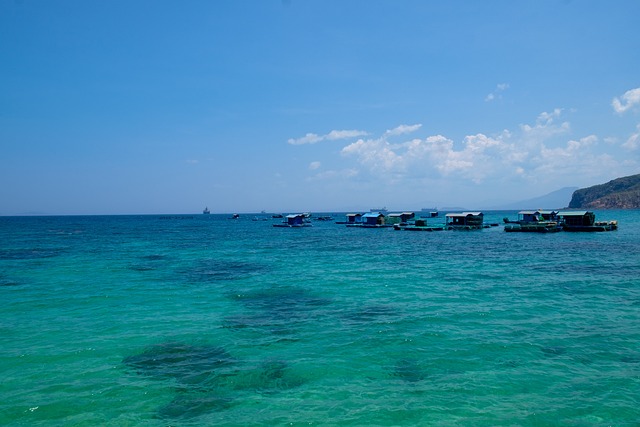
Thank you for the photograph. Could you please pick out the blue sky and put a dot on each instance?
(117, 107)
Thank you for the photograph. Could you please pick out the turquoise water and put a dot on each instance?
(202, 320)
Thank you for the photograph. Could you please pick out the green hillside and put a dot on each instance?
(621, 193)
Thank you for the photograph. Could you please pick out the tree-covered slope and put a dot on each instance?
(621, 193)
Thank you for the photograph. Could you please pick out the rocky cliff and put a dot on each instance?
(621, 193)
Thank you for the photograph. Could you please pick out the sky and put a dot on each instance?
(158, 106)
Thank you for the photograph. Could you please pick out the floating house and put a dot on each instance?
(537, 216)
(374, 220)
(352, 219)
(400, 218)
(465, 221)
(294, 221)
(584, 221)
(534, 221)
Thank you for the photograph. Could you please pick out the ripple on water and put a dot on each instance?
(281, 300)
(371, 313)
(187, 364)
(194, 404)
(553, 351)
(29, 253)
(211, 271)
(150, 262)
(409, 370)
(7, 282)
(262, 323)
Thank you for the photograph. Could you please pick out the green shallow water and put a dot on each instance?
(201, 320)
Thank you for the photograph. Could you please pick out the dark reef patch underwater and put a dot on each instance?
(207, 378)
(186, 364)
(216, 270)
(409, 370)
(277, 310)
(281, 300)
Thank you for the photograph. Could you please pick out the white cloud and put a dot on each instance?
(403, 129)
(435, 155)
(544, 129)
(377, 154)
(627, 101)
(314, 165)
(344, 134)
(497, 93)
(633, 143)
(312, 138)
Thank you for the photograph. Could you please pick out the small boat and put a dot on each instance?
(206, 211)
(235, 216)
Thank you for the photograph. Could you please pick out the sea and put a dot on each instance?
(203, 320)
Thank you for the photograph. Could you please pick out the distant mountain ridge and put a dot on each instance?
(621, 193)
(555, 200)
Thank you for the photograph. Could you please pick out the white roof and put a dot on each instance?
(464, 214)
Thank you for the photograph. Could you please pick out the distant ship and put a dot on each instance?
(206, 211)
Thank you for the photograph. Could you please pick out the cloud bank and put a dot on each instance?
(538, 152)
(531, 159)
